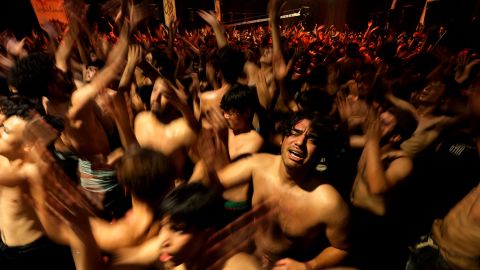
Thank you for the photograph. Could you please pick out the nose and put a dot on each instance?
(300, 140)
(164, 239)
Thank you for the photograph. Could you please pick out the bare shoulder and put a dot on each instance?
(263, 160)
(328, 198)
(242, 261)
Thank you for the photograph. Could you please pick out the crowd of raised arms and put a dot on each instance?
(126, 144)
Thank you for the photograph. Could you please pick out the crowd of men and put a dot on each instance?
(126, 144)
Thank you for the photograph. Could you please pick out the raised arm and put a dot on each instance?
(379, 179)
(210, 18)
(177, 97)
(134, 57)
(114, 63)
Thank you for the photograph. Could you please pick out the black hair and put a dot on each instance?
(230, 64)
(31, 75)
(240, 98)
(315, 99)
(145, 91)
(193, 205)
(328, 140)
(97, 63)
(146, 174)
(17, 106)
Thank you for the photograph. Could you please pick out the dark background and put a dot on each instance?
(460, 16)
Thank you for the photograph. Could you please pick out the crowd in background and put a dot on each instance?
(129, 144)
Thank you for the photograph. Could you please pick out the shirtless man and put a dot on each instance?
(23, 242)
(310, 229)
(382, 165)
(86, 128)
(454, 242)
(238, 107)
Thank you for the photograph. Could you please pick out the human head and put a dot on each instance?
(239, 105)
(18, 112)
(397, 125)
(36, 75)
(308, 136)
(315, 99)
(146, 174)
(230, 64)
(432, 93)
(190, 212)
(92, 68)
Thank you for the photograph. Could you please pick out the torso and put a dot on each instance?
(297, 227)
(85, 135)
(19, 224)
(361, 196)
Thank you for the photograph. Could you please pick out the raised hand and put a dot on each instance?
(208, 17)
(175, 95)
(135, 55)
(343, 106)
(373, 125)
(280, 69)
(16, 48)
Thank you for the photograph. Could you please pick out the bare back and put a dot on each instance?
(84, 135)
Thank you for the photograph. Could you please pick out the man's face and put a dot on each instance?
(432, 92)
(11, 136)
(178, 244)
(388, 122)
(90, 73)
(299, 148)
(266, 55)
(235, 119)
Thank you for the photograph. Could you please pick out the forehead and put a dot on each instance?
(303, 125)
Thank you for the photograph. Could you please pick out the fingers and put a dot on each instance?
(215, 117)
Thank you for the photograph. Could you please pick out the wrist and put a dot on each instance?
(308, 266)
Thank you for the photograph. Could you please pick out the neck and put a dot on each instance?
(266, 67)
(425, 109)
(244, 129)
(139, 206)
(295, 176)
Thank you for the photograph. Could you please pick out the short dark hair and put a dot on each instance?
(17, 106)
(240, 98)
(145, 173)
(328, 139)
(97, 63)
(230, 63)
(315, 99)
(194, 205)
(31, 75)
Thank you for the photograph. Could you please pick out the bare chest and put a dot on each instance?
(293, 213)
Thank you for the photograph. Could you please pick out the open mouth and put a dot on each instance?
(165, 257)
(296, 155)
